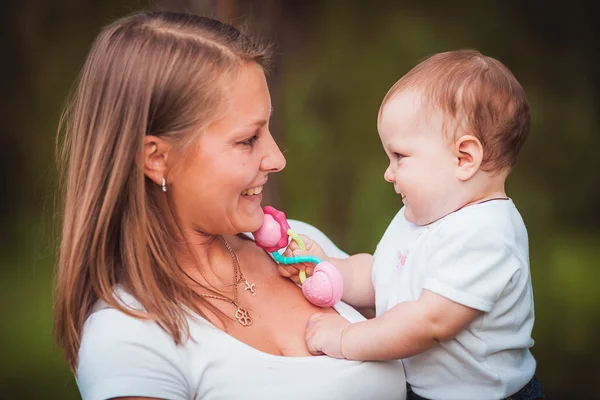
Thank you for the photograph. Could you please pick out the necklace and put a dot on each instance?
(236, 269)
(241, 314)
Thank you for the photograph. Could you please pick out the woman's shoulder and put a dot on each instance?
(109, 326)
(120, 351)
(106, 323)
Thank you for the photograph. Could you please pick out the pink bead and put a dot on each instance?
(269, 233)
(325, 287)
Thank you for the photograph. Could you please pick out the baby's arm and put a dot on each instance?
(355, 270)
(407, 329)
(473, 264)
(358, 285)
(403, 331)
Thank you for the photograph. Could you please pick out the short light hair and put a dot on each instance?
(480, 95)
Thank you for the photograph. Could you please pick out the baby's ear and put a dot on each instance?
(469, 155)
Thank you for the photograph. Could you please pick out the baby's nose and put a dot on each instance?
(388, 175)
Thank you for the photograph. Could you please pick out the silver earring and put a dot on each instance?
(164, 185)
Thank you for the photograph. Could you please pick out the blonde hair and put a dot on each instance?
(153, 73)
(480, 95)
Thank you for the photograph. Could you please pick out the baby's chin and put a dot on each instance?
(418, 219)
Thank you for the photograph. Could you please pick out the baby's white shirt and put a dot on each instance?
(124, 356)
(478, 257)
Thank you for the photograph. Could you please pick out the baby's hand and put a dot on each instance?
(312, 249)
(324, 334)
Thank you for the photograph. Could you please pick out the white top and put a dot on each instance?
(124, 356)
(478, 257)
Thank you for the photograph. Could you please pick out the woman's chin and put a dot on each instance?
(252, 222)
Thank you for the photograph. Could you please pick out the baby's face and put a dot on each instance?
(422, 166)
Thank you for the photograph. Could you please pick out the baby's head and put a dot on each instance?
(452, 128)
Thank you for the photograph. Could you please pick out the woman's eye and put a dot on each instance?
(250, 141)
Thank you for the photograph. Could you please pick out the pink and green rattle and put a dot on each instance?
(325, 287)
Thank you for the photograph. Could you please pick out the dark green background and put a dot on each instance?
(335, 61)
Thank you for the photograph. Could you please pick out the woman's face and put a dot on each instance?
(218, 189)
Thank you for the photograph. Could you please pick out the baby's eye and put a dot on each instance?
(398, 156)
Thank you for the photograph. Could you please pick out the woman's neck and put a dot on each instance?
(206, 260)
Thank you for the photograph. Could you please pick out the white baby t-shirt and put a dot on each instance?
(124, 356)
(478, 257)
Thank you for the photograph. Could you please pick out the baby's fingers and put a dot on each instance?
(290, 249)
(309, 268)
(283, 271)
(290, 273)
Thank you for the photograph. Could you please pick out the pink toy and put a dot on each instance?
(325, 287)
(268, 234)
(273, 234)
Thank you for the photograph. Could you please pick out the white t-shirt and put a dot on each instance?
(478, 257)
(124, 356)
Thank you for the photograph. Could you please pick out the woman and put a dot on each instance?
(159, 294)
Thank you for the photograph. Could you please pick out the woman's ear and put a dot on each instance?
(156, 152)
(469, 154)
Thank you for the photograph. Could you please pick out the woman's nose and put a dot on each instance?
(273, 161)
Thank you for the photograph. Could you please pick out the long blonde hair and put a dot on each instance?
(153, 73)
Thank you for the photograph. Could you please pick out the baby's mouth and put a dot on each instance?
(253, 191)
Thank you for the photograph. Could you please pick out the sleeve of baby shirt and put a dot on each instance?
(124, 356)
(471, 264)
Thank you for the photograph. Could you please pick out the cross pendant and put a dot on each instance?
(250, 287)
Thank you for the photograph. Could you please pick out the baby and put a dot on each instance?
(450, 278)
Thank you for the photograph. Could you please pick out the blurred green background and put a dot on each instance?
(334, 63)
